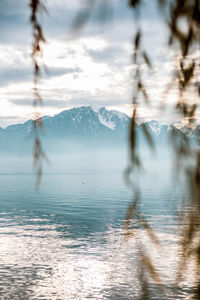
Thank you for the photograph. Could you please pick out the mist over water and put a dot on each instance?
(66, 240)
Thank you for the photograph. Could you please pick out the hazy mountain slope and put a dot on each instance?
(76, 125)
(89, 126)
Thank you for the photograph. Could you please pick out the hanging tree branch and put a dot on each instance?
(37, 7)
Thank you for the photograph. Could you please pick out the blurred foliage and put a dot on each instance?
(37, 7)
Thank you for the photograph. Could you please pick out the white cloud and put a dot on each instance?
(93, 68)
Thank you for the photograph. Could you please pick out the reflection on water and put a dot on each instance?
(66, 241)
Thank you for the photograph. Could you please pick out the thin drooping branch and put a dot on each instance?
(37, 7)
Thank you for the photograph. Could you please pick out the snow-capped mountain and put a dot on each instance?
(81, 124)
(86, 122)
(90, 124)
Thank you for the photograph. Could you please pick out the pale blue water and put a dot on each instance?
(66, 241)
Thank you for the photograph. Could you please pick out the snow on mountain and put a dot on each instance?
(106, 122)
(155, 127)
(111, 118)
(187, 131)
(96, 108)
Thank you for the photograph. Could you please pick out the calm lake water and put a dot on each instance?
(66, 241)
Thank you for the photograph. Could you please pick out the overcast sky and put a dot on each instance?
(93, 68)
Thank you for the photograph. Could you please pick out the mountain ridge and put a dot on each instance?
(87, 123)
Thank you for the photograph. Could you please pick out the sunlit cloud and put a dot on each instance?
(93, 67)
